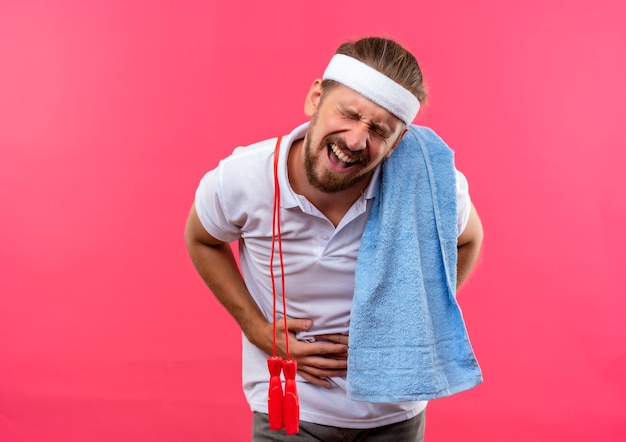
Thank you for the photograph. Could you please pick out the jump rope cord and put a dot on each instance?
(283, 406)
(276, 237)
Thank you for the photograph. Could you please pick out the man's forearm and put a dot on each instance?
(467, 257)
(470, 243)
(218, 268)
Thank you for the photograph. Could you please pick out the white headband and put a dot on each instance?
(373, 85)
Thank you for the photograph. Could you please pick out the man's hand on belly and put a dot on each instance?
(317, 361)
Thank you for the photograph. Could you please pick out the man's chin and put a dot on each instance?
(332, 186)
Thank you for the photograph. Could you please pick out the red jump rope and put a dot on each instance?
(283, 408)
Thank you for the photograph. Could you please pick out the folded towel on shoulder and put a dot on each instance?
(408, 340)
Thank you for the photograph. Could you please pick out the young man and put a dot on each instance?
(330, 174)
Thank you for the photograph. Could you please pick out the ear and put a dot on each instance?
(406, 129)
(313, 98)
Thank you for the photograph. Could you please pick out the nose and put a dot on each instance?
(356, 138)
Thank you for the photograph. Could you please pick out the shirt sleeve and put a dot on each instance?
(212, 212)
(464, 203)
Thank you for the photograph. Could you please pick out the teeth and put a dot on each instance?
(341, 155)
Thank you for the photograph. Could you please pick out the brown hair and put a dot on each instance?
(389, 58)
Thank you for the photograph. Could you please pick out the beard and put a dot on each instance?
(329, 181)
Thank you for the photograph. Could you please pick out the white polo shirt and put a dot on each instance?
(235, 202)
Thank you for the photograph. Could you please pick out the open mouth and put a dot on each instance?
(339, 158)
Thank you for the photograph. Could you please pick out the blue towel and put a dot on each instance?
(407, 336)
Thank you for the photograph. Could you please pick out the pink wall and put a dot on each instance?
(110, 112)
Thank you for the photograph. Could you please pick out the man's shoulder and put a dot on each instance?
(258, 155)
(247, 162)
(252, 152)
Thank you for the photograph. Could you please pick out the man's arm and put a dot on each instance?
(215, 262)
(468, 246)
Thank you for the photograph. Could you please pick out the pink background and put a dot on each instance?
(111, 111)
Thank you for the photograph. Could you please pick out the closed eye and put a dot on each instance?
(379, 130)
(355, 116)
